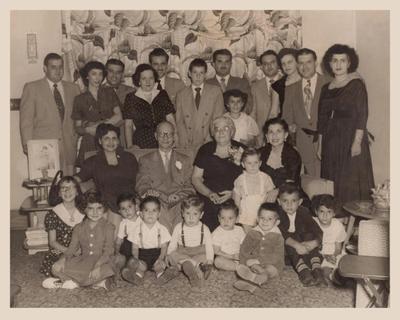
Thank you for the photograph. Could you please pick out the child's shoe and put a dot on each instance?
(319, 277)
(52, 283)
(131, 277)
(245, 273)
(206, 268)
(168, 275)
(69, 284)
(190, 271)
(307, 278)
(247, 286)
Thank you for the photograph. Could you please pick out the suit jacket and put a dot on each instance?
(193, 124)
(40, 119)
(122, 92)
(172, 86)
(237, 83)
(152, 175)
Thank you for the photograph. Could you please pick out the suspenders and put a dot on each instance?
(141, 236)
(183, 235)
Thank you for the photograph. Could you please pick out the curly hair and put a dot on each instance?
(79, 199)
(141, 68)
(340, 49)
(102, 129)
(272, 121)
(236, 93)
(84, 72)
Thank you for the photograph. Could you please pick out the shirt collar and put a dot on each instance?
(313, 80)
(141, 94)
(162, 82)
(51, 84)
(168, 153)
(276, 77)
(226, 78)
(275, 229)
(201, 88)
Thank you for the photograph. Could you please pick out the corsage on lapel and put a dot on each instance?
(235, 154)
(178, 165)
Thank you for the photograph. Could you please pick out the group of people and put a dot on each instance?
(250, 142)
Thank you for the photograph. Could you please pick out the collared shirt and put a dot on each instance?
(144, 95)
(147, 238)
(162, 82)
(194, 89)
(313, 82)
(274, 229)
(165, 156)
(60, 88)
(226, 78)
(268, 80)
(126, 227)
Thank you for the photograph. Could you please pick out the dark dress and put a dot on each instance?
(341, 112)
(146, 117)
(218, 175)
(90, 110)
(111, 180)
(279, 87)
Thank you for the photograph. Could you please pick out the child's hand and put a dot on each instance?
(272, 195)
(330, 258)
(257, 268)
(225, 195)
(308, 245)
(94, 274)
(301, 249)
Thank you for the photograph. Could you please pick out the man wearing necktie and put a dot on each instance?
(45, 111)
(300, 109)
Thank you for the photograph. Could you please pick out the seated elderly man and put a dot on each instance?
(166, 174)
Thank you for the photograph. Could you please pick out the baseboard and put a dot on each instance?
(18, 221)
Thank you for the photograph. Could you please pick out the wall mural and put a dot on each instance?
(185, 35)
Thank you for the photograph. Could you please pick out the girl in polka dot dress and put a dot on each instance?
(60, 221)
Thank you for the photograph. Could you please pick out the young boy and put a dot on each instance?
(302, 235)
(262, 251)
(149, 243)
(227, 237)
(191, 247)
(246, 127)
(196, 106)
(334, 234)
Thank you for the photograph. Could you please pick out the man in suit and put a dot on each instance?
(158, 59)
(166, 174)
(222, 63)
(45, 111)
(300, 109)
(196, 107)
(261, 91)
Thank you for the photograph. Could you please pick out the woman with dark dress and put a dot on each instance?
(288, 64)
(98, 104)
(216, 166)
(112, 169)
(342, 121)
(144, 109)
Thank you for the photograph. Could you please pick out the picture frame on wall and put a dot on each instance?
(43, 159)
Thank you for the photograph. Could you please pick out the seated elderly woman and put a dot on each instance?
(112, 169)
(216, 166)
(166, 174)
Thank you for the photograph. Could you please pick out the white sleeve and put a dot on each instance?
(268, 183)
(252, 127)
(208, 243)
(173, 244)
(134, 235)
(340, 231)
(122, 230)
(241, 234)
(165, 236)
(216, 237)
(237, 185)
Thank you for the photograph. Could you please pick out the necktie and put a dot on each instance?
(223, 84)
(166, 162)
(159, 86)
(59, 102)
(197, 97)
(308, 98)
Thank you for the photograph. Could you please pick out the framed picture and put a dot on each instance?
(43, 159)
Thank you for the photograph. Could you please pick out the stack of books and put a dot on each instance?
(36, 240)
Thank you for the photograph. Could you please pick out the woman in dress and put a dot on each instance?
(288, 64)
(216, 166)
(342, 121)
(98, 104)
(145, 109)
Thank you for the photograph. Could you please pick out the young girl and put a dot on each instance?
(60, 221)
(88, 258)
(246, 128)
(251, 189)
(149, 243)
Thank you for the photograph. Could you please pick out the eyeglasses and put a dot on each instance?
(166, 134)
(65, 189)
(223, 129)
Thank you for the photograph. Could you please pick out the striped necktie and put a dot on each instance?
(308, 98)
(59, 102)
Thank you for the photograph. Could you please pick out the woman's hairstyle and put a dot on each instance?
(79, 197)
(272, 121)
(141, 68)
(340, 49)
(126, 197)
(284, 52)
(93, 197)
(289, 188)
(104, 128)
(198, 63)
(250, 152)
(84, 72)
(192, 201)
(228, 121)
(228, 205)
(273, 207)
(326, 200)
(150, 199)
(236, 93)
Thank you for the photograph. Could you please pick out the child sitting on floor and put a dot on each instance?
(252, 188)
(227, 237)
(303, 236)
(87, 262)
(191, 247)
(149, 243)
(262, 251)
(334, 234)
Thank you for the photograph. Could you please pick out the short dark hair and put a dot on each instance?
(228, 205)
(289, 188)
(158, 52)
(222, 52)
(126, 197)
(141, 68)
(51, 56)
(197, 63)
(325, 200)
(192, 201)
(90, 66)
(236, 93)
(94, 197)
(268, 53)
(269, 207)
(102, 129)
(304, 51)
(149, 199)
(272, 121)
(250, 152)
(116, 62)
(284, 52)
(79, 200)
(340, 49)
